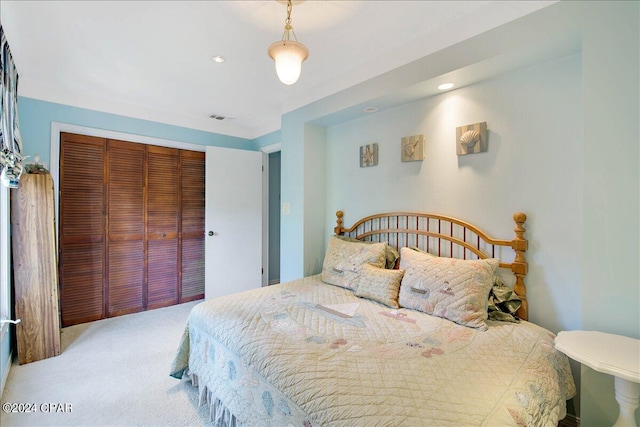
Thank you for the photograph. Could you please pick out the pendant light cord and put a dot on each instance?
(287, 24)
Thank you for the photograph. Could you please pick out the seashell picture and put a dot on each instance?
(471, 139)
(412, 148)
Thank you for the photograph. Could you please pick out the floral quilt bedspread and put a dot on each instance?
(272, 356)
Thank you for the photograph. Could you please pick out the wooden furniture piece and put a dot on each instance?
(610, 354)
(445, 236)
(35, 268)
(131, 227)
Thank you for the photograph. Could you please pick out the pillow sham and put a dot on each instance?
(450, 288)
(391, 255)
(380, 284)
(343, 261)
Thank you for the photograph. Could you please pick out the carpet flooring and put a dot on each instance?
(113, 372)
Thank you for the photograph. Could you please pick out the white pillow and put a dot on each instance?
(451, 288)
(343, 261)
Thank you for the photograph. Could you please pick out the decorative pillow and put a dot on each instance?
(344, 260)
(392, 257)
(392, 254)
(380, 284)
(451, 288)
(503, 302)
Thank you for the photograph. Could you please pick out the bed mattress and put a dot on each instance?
(273, 356)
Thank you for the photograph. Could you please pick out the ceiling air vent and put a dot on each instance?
(219, 117)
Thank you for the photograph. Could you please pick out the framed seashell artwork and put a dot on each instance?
(471, 139)
(368, 155)
(412, 148)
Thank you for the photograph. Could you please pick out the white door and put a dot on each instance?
(233, 221)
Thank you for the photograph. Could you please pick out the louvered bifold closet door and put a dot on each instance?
(125, 228)
(163, 202)
(82, 234)
(192, 186)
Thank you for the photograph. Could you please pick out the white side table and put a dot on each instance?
(610, 354)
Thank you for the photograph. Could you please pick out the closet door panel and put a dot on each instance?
(163, 213)
(126, 277)
(81, 181)
(125, 227)
(163, 272)
(163, 195)
(192, 269)
(192, 192)
(82, 237)
(126, 190)
(81, 276)
(192, 187)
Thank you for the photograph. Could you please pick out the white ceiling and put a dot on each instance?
(152, 60)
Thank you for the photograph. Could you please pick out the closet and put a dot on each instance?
(131, 227)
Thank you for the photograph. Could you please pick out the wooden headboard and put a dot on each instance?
(446, 236)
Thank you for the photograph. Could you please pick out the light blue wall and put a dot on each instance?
(315, 171)
(292, 193)
(264, 140)
(611, 152)
(36, 117)
(5, 359)
(586, 172)
(530, 166)
(299, 237)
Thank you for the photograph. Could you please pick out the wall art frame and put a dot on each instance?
(471, 139)
(412, 148)
(368, 155)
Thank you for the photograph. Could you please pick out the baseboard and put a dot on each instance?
(569, 421)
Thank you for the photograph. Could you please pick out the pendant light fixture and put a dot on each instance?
(288, 54)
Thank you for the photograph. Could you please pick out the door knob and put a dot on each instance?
(211, 233)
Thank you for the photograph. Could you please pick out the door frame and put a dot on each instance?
(54, 167)
(266, 150)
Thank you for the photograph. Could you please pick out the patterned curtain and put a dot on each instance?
(11, 157)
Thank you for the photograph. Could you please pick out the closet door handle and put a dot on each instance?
(211, 233)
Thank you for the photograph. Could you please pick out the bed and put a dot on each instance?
(437, 337)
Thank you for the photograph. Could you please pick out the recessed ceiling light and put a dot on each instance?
(218, 59)
(445, 86)
(370, 109)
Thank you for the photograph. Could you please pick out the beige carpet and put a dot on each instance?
(112, 372)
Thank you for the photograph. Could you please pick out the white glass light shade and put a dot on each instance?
(288, 56)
